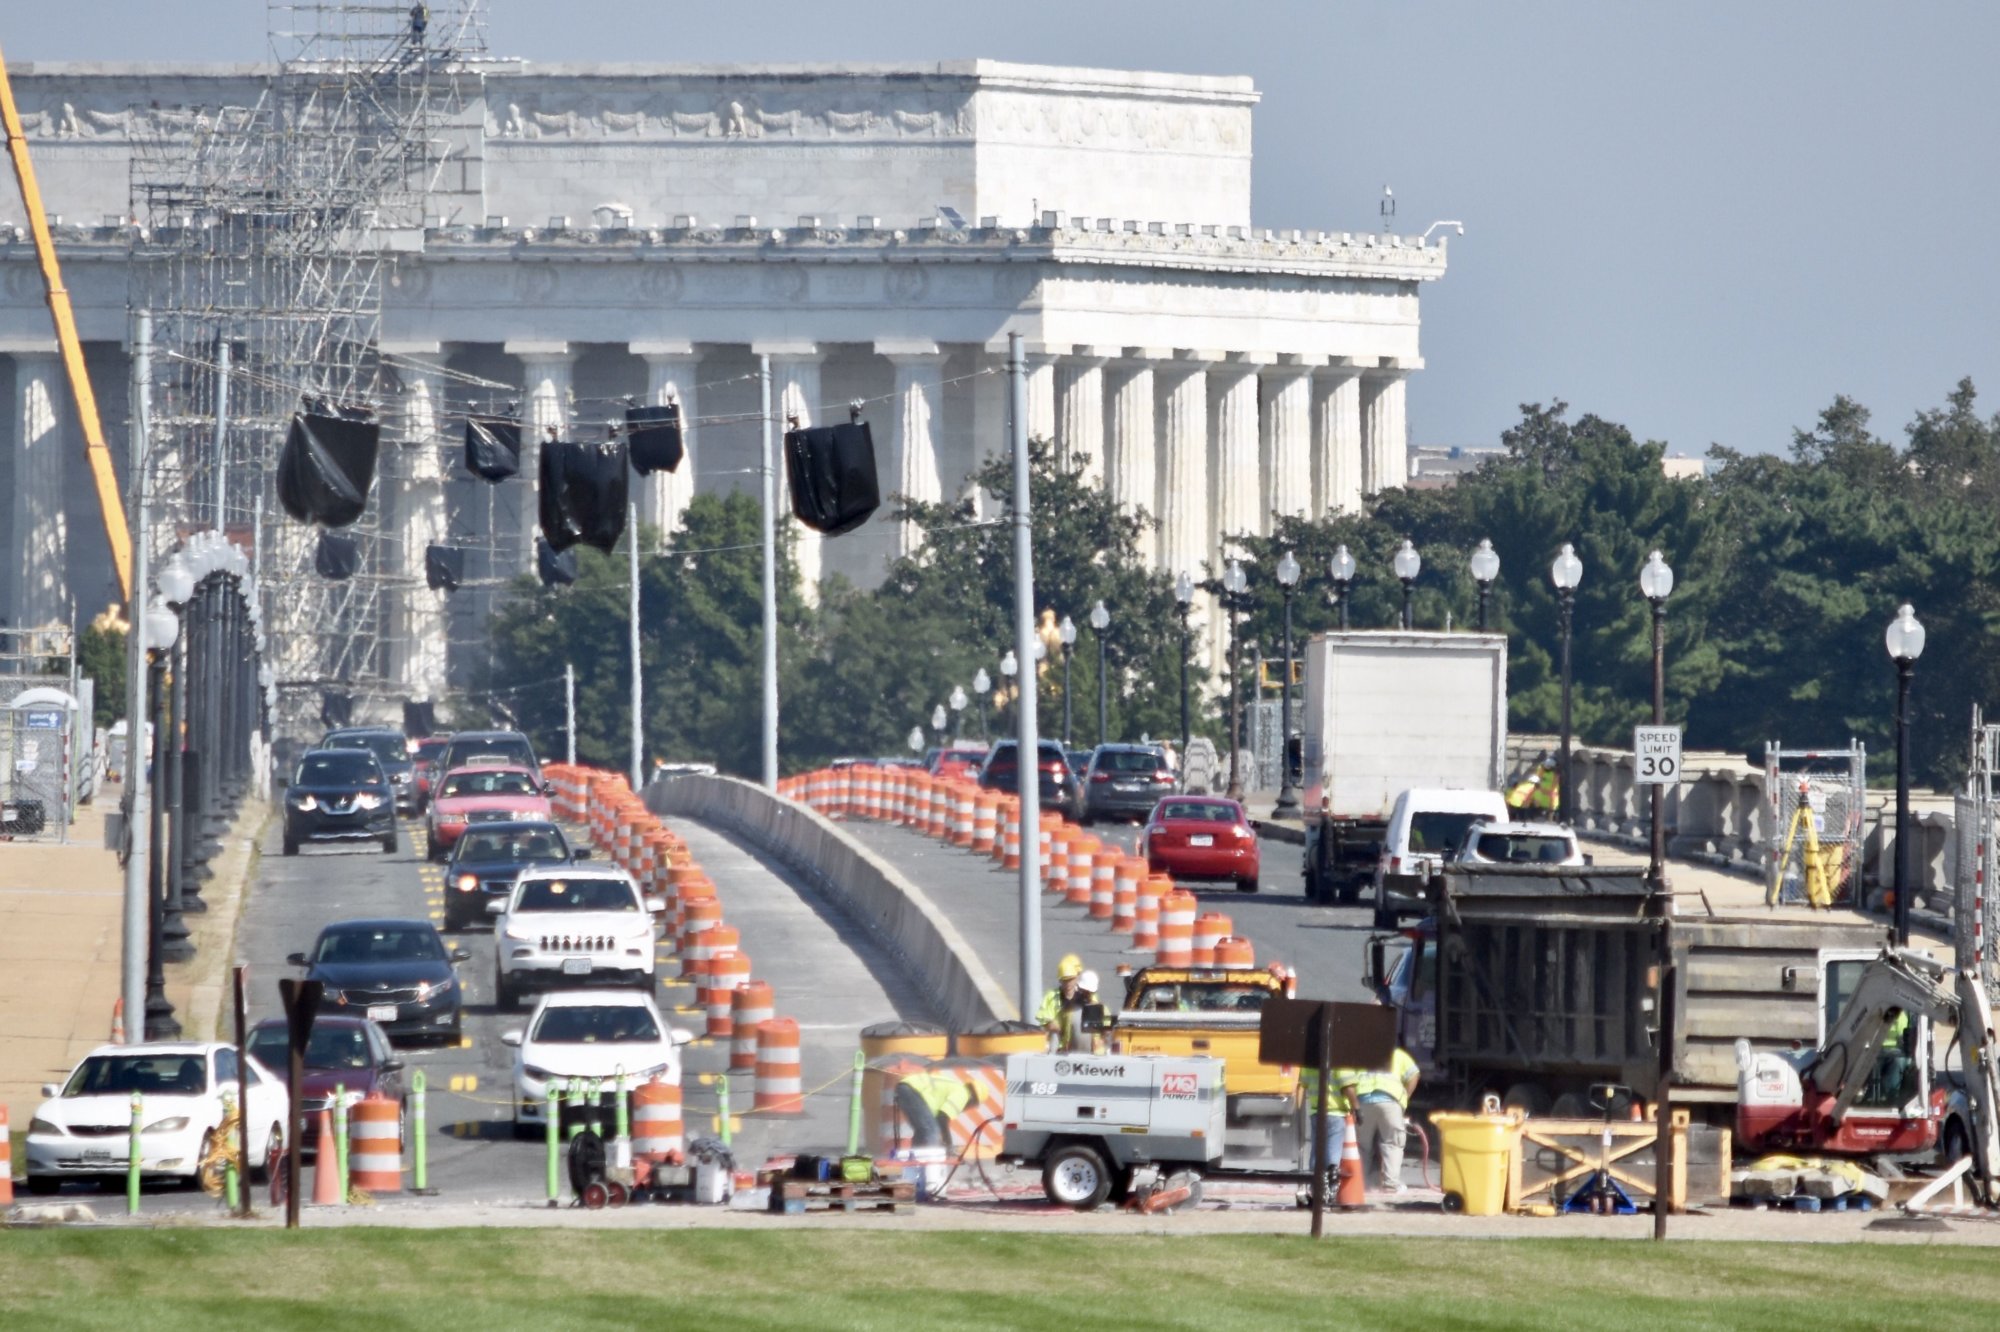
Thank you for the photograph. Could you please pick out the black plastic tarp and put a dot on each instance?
(327, 466)
(832, 475)
(583, 493)
(556, 568)
(335, 709)
(444, 567)
(493, 446)
(337, 557)
(419, 719)
(654, 434)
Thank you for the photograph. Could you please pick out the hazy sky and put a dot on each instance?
(1701, 219)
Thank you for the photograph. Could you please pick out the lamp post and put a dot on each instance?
(1233, 583)
(1656, 580)
(1341, 568)
(1066, 631)
(176, 583)
(1010, 666)
(1566, 572)
(1288, 796)
(1485, 568)
(1100, 620)
(982, 685)
(938, 720)
(1184, 597)
(1905, 641)
(161, 628)
(957, 702)
(1408, 564)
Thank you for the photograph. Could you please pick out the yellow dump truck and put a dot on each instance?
(1216, 1012)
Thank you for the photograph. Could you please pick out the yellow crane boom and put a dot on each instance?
(101, 470)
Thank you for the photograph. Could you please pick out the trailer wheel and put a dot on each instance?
(1454, 1203)
(1076, 1176)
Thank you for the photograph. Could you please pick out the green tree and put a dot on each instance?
(100, 653)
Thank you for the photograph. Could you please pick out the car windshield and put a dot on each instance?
(577, 895)
(382, 943)
(491, 749)
(1199, 811)
(536, 846)
(386, 747)
(1431, 830)
(430, 749)
(611, 1024)
(345, 768)
(498, 781)
(1130, 760)
(1201, 998)
(327, 1047)
(1522, 848)
(153, 1074)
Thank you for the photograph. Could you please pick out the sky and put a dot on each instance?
(1702, 220)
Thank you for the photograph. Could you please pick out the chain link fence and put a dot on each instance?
(37, 759)
(1818, 821)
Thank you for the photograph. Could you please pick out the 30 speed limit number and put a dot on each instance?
(1657, 750)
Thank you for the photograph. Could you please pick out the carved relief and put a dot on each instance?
(23, 282)
(906, 283)
(660, 284)
(785, 283)
(535, 283)
(793, 113)
(411, 281)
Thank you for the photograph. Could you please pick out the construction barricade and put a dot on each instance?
(780, 1084)
(375, 1146)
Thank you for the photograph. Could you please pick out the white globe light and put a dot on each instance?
(1342, 566)
(1408, 564)
(1234, 580)
(1067, 630)
(981, 681)
(957, 699)
(162, 626)
(1485, 561)
(1656, 580)
(1184, 588)
(1905, 638)
(1008, 665)
(175, 582)
(938, 717)
(1288, 570)
(1567, 570)
(916, 739)
(1100, 618)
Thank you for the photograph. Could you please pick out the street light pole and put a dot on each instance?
(1905, 641)
(1233, 583)
(1288, 795)
(1341, 567)
(957, 710)
(1408, 564)
(1566, 572)
(1485, 568)
(1066, 632)
(982, 685)
(1100, 620)
(1184, 597)
(162, 628)
(1656, 580)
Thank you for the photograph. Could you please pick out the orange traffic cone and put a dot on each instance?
(1351, 1192)
(326, 1170)
(118, 1022)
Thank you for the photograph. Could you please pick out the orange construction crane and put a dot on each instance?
(101, 470)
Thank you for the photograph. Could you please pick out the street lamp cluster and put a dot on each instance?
(1010, 667)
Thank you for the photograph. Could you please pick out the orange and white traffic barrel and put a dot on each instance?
(1104, 882)
(1235, 952)
(704, 915)
(657, 1129)
(701, 951)
(962, 815)
(1146, 917)
(6, 1160)
(727, 969)
(780, 1077)
(1209, 927)
(1177, 912)
(1010, 841)
(1125, 893)
(985, 823)
(751, 1005)
(1082, 855)
(375, 1145)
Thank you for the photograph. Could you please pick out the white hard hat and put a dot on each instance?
(1087, 981)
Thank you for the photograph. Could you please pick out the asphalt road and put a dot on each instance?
(826, 973)
(1325, 944)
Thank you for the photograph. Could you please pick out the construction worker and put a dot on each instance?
(1338, 1107)
(1056, 1014)
(930, 1101)
(1540, 790)
(1381, 1101)
(1892, 1064)
(1078, 1040)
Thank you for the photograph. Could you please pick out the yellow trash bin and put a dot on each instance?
(1476, 1154)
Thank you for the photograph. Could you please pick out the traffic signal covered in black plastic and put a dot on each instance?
(583, 494)
(654, 436)
(337, 557)
(327, 465)
(556, 568)
(493, 446)
(831, 470)
(444, 567)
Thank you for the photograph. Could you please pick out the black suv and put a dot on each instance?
(339, 795)
(1055, 781)
(1125, 782)
(390, 749)
(488, 857)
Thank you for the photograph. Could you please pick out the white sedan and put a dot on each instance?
(591, 1034)
(84, 1128)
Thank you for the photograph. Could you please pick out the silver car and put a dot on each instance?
(1520, 844)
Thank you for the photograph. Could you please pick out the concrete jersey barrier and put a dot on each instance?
(929, 946)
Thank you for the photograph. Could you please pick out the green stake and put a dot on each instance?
(419, 1160)
(132, 1168)
(552, 1114)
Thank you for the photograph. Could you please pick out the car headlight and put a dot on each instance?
(44, 1126)
(368, 800)
(518, 933)
(425, 989)
(537, 1074)
(306, 801)
(174, 1125)
(468, 883)
(401, 778)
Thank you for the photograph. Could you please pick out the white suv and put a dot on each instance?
(565, 926)
(1508, 843)
(594, 1035)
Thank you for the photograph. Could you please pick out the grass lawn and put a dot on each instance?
(551, 1280)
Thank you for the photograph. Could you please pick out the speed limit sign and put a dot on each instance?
(1657, 750)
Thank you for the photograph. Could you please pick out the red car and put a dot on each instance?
(1202, 837)
(483, 795)
(350, 1053)
(424, 755)
(958, 761)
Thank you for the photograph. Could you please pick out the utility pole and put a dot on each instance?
(569, 710)
(222, 431)
(138, 821)
(638, 713)
(1024, 651)
(770, 576)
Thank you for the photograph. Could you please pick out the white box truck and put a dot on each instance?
(1387, 711)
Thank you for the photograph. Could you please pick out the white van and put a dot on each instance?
(1425, 828)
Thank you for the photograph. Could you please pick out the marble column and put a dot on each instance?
(1285, 451)
(916, 432)
(1336, 458)
(795, 389)
(419, 621)
(1182, 500)
(1234, 481)
(546, 394)
(1041, 395)
(40, 527)
(1132, 464)
(1384, 431)
(1080, 413)
(671, 372)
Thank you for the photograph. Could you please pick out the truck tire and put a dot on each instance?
(1075, 1176)
(1531, 1098)
(1350, 892)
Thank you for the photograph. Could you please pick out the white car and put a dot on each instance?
(1510, 843)
(84, 1128)
(572, 925)
(591, 1034)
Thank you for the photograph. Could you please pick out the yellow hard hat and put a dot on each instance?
(1070, 967)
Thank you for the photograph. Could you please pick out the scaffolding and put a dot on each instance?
(1817, 822)
(264, 236)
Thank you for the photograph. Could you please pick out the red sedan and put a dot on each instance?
(482, 795)
(424, 758)
(1202, 837)
(958, 761)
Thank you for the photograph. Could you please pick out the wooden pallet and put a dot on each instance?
(794, 1197)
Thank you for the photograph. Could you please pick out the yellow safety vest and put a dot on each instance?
(1394, 1082)
(1336, 1097)
(943, 1094)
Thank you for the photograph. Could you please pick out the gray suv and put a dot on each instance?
(1125, 782)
